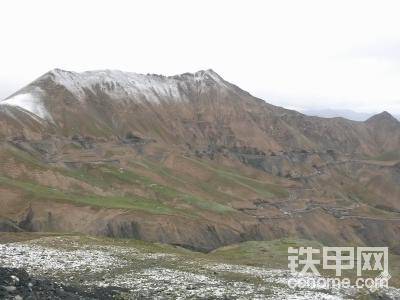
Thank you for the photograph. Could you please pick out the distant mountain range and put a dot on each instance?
(344, 113)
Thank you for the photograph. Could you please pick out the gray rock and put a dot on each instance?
(10, 288)
(15, 279)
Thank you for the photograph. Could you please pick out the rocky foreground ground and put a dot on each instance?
(76, 267)
(18, 284)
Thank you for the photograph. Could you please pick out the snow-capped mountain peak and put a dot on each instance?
(150, 87)
(115, 85)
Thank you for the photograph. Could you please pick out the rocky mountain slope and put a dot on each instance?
(199, 108)
(191, 160)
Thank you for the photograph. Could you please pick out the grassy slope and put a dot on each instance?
(142, 185)
(387, 156)
(163, 190)
(273, 254)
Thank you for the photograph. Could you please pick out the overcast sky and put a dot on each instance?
(298, 54)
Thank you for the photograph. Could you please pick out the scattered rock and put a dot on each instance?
(15, 279)
(10, 288)
(44, 288)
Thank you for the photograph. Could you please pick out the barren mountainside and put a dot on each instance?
(191, 160)
(199, 108)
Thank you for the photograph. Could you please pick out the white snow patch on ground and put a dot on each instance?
(155, 275)
(28, 102)
(38, 260)
(180, 284)
(183, 285)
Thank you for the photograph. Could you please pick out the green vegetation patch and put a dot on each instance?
(34, 191)
(387, 156)
(271, 254)
(231, 177)
(24, 158)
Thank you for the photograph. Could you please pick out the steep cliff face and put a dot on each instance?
(191, 160)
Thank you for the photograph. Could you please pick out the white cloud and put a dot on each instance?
(338, 54)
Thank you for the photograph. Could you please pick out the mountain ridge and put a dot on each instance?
(107, 102)
(343, 113)
(67, 78)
